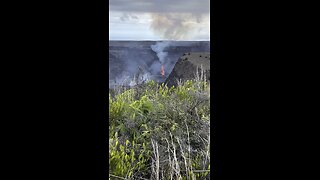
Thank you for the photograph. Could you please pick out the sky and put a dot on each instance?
(187, 20)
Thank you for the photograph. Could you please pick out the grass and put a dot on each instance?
(157, 132)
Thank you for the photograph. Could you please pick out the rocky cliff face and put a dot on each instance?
(188, 65)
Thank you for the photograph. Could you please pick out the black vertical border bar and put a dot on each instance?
(102, 130)
(217, 87)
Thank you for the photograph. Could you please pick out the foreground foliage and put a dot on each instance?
(158, 132)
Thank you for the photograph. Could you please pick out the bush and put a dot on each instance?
(158, 132)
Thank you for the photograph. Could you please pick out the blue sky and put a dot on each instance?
(159, 20)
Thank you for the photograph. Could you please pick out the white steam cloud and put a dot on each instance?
(168, 20)
(159, 49)
(176, 26)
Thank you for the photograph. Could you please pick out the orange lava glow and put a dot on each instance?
(162, 71)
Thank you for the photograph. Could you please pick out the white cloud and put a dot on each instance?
(161, 6)
(159, 19)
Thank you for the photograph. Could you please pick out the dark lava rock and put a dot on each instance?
(186, 67)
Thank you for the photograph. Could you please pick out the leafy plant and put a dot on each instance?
(157, 132)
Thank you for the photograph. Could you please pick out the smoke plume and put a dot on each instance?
(159, 49)
(174, 26)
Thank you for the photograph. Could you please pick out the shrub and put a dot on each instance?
(158, 132)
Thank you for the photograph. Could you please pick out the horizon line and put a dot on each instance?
(152, 40)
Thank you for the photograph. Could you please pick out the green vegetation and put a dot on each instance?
(156, 132)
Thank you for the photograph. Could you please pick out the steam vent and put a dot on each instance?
(188, 65)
